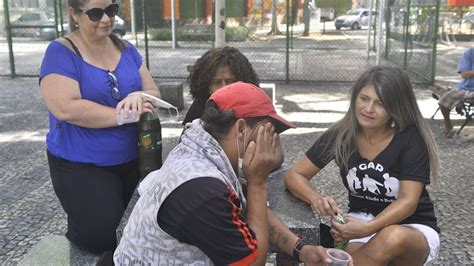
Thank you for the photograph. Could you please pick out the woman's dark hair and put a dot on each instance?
(77, 5)
(206, 66)
(218, 123)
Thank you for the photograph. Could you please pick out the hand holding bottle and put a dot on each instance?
(132, 107)
(325, 205)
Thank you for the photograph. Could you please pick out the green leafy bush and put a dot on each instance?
(340, 6)
(200, 34)
(236, 34)
(160, 34)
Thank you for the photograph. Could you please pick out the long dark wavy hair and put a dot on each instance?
(206, 66)
(77, 5)
(394, 89)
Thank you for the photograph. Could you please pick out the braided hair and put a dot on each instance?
(207, 65)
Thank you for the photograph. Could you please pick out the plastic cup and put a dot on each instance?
(338, 257)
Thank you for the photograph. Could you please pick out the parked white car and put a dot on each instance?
(353, 19)
(35, 24)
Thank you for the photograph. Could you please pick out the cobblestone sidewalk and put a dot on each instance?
(29, 209)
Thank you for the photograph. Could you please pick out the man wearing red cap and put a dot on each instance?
(194, 210)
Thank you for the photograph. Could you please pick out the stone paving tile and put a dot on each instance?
(29, 209)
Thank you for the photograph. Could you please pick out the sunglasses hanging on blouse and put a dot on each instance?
(114, 90)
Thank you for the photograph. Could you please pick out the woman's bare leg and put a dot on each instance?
(394, 245)
(353, 247)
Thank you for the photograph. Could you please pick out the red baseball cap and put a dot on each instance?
(248, 101)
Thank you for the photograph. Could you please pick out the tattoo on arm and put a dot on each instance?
(278, 239)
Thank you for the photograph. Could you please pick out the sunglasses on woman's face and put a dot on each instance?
(96, 14)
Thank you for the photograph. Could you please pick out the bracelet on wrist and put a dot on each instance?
(297, 250)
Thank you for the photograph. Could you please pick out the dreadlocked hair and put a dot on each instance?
(207, 65)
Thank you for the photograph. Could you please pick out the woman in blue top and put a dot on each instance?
(86, 79)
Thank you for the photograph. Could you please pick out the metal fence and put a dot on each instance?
(28, 30)
(305, 49)
(412, 30)
(456, 34)
(279, 51)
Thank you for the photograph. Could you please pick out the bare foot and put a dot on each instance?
(448, 132)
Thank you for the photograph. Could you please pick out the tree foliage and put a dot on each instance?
(340, 6)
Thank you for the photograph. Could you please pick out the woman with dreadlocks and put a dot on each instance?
(215, 69)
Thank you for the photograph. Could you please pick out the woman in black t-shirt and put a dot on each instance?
(215, 69)
(385, 152)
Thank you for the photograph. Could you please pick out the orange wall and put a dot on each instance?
(209, 9)
(460, 2)
(126, 9)
(167, 9)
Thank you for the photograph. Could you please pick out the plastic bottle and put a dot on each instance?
(149, 143)
(341, 246)
(340, 219)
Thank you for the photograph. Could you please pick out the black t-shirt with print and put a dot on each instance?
(373, 185)
(205, 212)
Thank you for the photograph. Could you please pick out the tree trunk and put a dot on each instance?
(274, 30)
(306, 17)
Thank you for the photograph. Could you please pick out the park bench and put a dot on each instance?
(465, 108)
